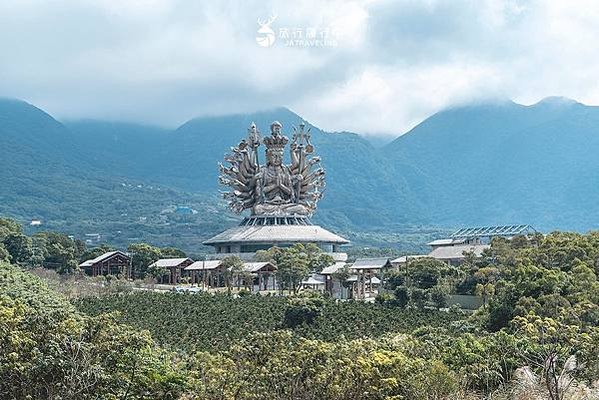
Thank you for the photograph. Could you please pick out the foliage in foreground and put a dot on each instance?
(49, 351)
(542, 314)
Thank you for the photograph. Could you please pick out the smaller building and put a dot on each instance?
(210, 273)
(173, 268)
(366, 270)
(263, 273)
(316, 282)
(111, 263)
(456, 254)
(400, 262)
(454, 249)
(370, 265)
(332, 285)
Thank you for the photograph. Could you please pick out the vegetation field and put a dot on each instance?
(215, 322)
(68, 337)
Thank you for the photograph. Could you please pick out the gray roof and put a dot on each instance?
(333, 268)
(370, 263)
(169, 262)
(446, 242)
(101, 258)
(404, 259)
(214, 264)
(256, 266)
(276, 234)
(315, 279)
(456, 252)
(203, 265)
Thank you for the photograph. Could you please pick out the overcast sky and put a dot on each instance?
(376, 67)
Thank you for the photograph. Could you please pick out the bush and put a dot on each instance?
(49, 350)
(402, 296)
(302, 311)
(383, 298)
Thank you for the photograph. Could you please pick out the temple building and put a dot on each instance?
(261, 233)
(280, 197)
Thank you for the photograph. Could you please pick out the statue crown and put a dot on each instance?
(275, 142)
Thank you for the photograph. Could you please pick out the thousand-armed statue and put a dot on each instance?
(273, 188)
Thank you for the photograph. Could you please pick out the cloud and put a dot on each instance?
(393, 62)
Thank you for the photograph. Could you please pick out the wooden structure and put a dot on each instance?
(111, 263)
(263, 273)
(208, 273)
(212, 274)
(332, 285)
(173, 268)
(366, 270)
(316, 282)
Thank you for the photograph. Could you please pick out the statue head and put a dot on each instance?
(275, 128)
(274, 157)
(275, 144)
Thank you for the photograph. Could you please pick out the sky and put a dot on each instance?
(371, 67)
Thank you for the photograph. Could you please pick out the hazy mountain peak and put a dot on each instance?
(556, 101)
(16, 107)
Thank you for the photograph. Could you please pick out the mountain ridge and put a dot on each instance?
(490, 163)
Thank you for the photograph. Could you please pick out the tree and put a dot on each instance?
(303, 310)
(4, 255)
(9, 226)
(49, 350)
(293, 266)
(61, 252)
(424, 273)
(172, 252)
(554, 352)
(317, 259)
(142, 256)
(233, 266)
(485, 291)
(402, 296)
(19, 247)
(419, 298)
(439, 296)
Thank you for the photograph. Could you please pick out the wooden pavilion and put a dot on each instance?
(173, 267)
(366, 270)
(111, 263)
(210, 273)
(263, 273)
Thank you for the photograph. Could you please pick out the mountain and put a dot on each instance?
(505, 162)
(119, 148)
(491, 163)
(359, 180)
(81, 184)
(125, 180)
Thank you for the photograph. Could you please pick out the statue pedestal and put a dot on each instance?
(263, 232)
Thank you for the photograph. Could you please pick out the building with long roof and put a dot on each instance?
(173, 267)
(109, 263)
(262, 233)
